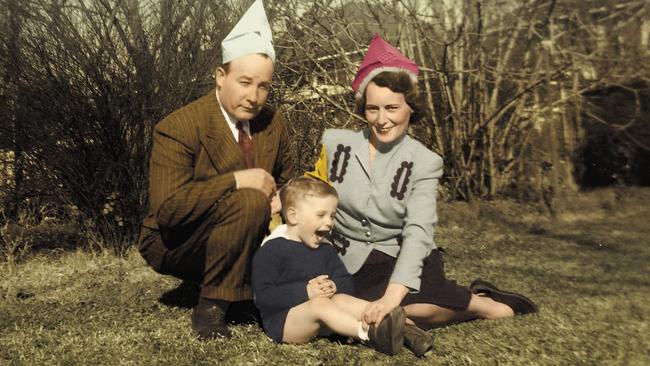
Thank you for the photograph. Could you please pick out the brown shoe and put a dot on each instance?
(209, 319)
(417, 340)
(388, 336)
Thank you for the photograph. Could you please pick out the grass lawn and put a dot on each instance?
(587, 269)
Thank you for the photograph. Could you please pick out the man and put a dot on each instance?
(213, 172)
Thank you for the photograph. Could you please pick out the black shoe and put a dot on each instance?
(243, 312)
(388, 336)
(520, 304)
(417, 340)
(209, 319)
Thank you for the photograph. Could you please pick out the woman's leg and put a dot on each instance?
(430, 315)
(481, 307)
(484, 307)
(304, 321)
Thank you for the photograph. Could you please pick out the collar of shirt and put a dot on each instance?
(232, 121)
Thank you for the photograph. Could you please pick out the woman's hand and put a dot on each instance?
(377, 310)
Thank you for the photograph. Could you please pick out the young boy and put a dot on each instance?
(302, 288)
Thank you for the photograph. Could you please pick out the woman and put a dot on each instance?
(387, 185)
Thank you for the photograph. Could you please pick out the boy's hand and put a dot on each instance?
(313, 290)
(330, 287)
(320, 286)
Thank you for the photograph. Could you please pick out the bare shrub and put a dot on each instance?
(85, 82)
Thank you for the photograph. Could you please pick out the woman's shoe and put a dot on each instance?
(520, 304)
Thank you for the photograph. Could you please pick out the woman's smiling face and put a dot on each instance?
(387, 114)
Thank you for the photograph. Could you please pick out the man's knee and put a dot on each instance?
(253, 199)
(246, 203)
(151, 248)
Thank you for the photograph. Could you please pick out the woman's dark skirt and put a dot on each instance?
(371, 281)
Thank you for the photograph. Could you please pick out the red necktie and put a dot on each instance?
(246, 145)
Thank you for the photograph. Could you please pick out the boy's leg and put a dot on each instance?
(415, 338)
(350, 304)
(304, 321)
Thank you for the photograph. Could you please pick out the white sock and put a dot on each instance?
(362, 333)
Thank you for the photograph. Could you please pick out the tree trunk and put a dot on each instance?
(12, 74)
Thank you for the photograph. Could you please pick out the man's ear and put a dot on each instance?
(291, 216)
(219, 75)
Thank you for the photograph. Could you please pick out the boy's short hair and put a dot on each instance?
(300, 187)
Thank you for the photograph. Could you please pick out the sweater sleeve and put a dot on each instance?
(270, 293)
(338, 273)
(417, 232)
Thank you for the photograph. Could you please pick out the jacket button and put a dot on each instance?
(364, 222)
(368, 234)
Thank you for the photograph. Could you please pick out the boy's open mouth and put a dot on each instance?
(322, 233)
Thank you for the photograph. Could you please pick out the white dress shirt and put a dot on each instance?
(232, 121)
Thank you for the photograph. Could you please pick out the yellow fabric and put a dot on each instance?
(320, 168)
(276, 220)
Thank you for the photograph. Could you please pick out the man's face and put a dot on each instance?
(243, 90)
(314, 219)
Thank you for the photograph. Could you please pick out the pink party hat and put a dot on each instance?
(382, 57)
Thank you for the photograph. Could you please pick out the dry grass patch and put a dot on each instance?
(587, 270)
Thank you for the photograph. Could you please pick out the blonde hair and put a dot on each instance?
(299, 188)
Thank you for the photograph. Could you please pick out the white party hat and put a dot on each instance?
(252, 34)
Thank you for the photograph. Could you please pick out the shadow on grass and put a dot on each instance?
(581, 240)
(553, 230)
(186, 296)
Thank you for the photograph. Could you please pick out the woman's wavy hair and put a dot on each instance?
(398, 82)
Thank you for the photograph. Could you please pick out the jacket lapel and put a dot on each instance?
(218, 141)
(360, 151)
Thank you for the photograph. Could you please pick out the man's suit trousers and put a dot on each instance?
(215, 252)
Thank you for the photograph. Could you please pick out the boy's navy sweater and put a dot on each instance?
(281, 270)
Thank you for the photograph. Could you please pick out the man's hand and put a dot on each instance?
(276, 205)
(256, 178)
